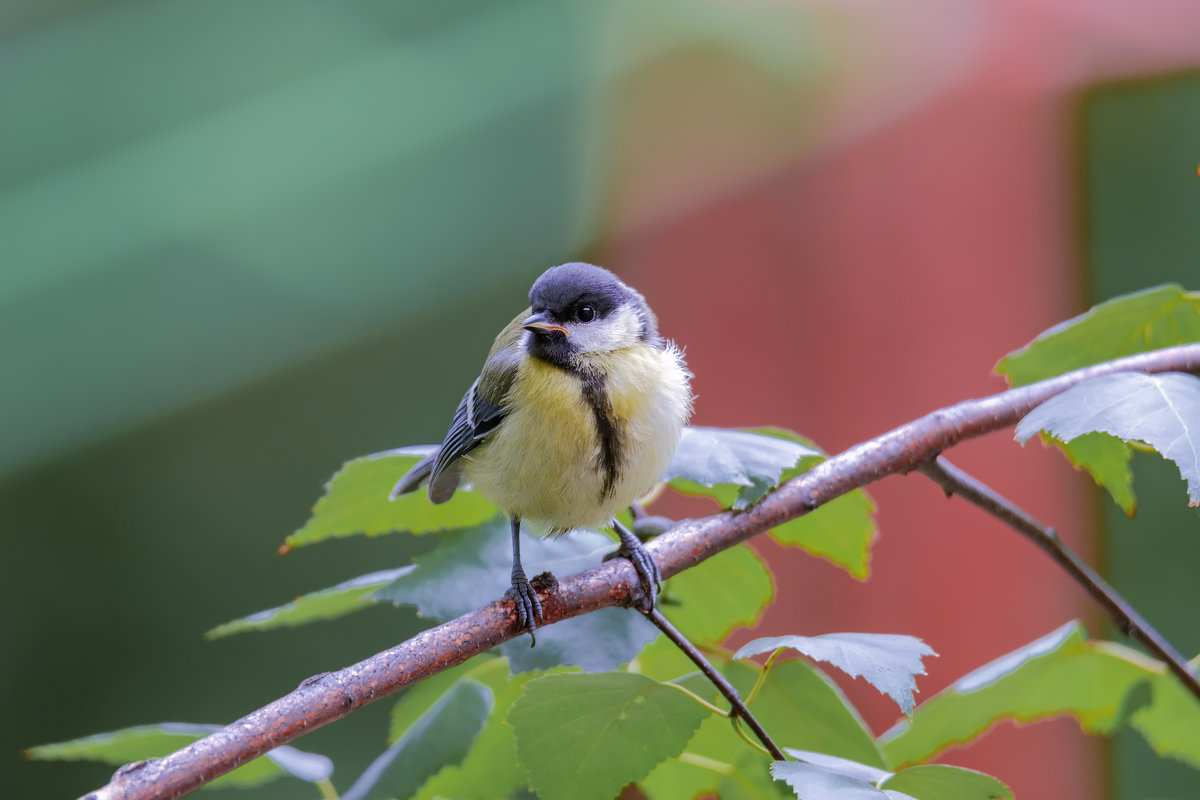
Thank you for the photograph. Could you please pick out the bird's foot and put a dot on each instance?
(647, 569)
(529, 607)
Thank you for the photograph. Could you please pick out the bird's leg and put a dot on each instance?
(647, 568)
(529, 608)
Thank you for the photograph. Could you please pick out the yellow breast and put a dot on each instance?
(545, 463)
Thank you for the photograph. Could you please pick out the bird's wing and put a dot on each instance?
(475, 417)
(481, 410)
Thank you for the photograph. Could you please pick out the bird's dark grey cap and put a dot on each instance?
(560, 287)
(563, 289)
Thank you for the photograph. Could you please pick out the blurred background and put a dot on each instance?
(241, 243)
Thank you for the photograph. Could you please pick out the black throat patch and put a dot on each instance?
(611, 446)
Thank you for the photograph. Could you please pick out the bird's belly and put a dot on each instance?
(546, 462)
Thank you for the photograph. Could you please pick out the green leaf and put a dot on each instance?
(1153, 318)
(818, 782)
(1147, 320)
(1059, 674)
(1106, 458)
(1160, 410)
(841, 531)
(486, 668)
(586, 736)
(326, 604)
(469, 569)
(715, 762)
(441, 736)
(797, 703)
(155, 741)
(728, 590)
(854, 769)
(817, 776)
(887, 661)
(1170, 723)
(491, 769)
(801, 707)
(356, 501)
(735, 467)
(942, 782)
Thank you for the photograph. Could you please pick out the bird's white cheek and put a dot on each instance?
(620, 330)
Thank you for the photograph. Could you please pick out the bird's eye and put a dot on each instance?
(585, 314)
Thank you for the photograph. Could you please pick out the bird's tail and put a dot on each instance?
(415, 478)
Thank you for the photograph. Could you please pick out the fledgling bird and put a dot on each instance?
(575, 416)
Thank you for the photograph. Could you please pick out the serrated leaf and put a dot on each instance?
(155, 741)
(441, 736)
(815, 782)
(326, 604)
(1106, 458)
(595, 642)
(730, 589)
(1060, 674)
(1147, 320)
(798, 704)
(1162, 410)
(841, 531)
(583, 737)
(715, 762)
(801, 707)
(1161, 316)
(469, 569)
(486, 668)
(854, 769)
(889, 662)
(356, 502)
(734, 467)
(1170, 722)
(491, 768)
(942, 782)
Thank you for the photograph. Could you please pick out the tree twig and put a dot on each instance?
(718, 680)
(955, 481)
(322, 700)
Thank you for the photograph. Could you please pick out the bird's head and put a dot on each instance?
(579, 309)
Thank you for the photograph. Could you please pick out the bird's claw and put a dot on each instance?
(647, 569)
(529, 607)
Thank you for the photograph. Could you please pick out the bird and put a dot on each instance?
(575, 416)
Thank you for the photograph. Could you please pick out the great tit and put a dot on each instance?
(575, 416)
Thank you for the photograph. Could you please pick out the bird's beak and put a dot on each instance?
(538, 324)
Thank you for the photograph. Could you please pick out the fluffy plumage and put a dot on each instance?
(575, 415)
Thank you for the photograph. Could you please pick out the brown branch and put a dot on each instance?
(329, 697)
(954, 481)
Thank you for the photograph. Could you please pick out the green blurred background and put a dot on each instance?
(1140, 170)
(241, 243)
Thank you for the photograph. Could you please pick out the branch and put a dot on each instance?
(323, 699)
(718, 680)
(954, 481)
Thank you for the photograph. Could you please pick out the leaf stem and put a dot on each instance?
(723, 686)
(697, 698)
(955, 481)
(703, 762)
(327, 790)
(737, 728)
(762, 676)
